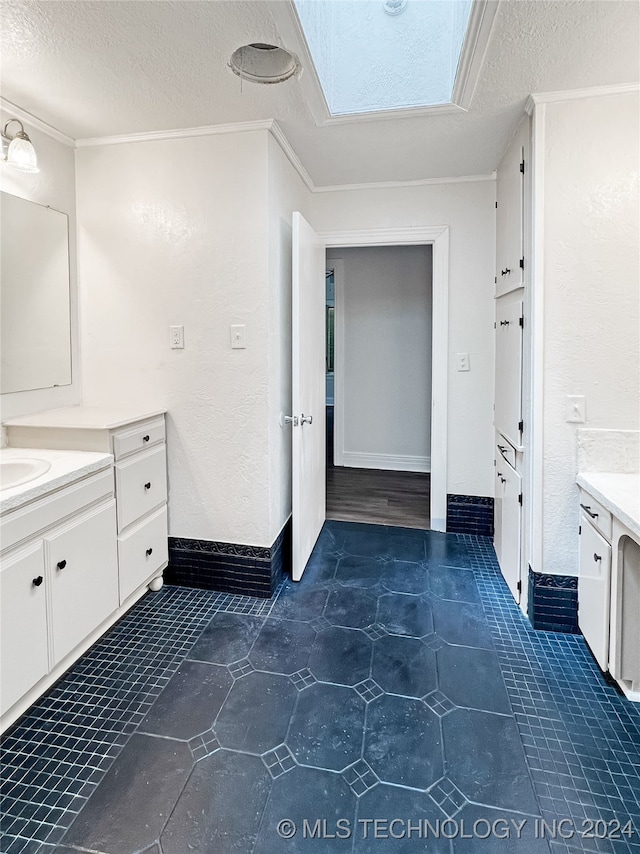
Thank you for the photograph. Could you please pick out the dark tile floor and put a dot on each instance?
(396, 700)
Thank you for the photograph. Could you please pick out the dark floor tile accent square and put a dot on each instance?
(255, 715)
(303, 679)
(318, 624)
(132, 804)
(438, 703)
(448, 797)
(221, 806)
(369, 690)
(190, 702)
(375, 631)
(470, 514)
(227, 638)
(278, 761)
(240, 668)
(360, 778)
(203, 745)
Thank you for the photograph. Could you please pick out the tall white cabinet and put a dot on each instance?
(510, 323)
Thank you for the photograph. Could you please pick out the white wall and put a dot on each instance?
(591, 293)
(55, 186)
(469, 210)
(386, 324)
(286, 193)
(175, 232)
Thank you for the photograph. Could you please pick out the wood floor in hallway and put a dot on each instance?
(379, 497)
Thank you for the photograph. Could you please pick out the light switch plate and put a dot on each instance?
(176, 337)
(462, 361)
(576, 408)
(238, 337)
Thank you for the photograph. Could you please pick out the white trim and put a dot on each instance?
(278, 134)
(417, 182)
(438, 237)
(337, 264)
(579, 94)
(474, 49)
(34, 121)
(176, 133)
(536, 456)
(477, 37)
(386, 462)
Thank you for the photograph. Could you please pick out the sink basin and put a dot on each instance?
(15, 472)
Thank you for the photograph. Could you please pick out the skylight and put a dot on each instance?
(375, 55)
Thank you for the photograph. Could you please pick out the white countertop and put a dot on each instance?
(85, 417)
(619, 493)
(66, 468)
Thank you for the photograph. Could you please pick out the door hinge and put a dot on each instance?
(521, 426)
(494, 326)
(519, 586)
(495, 280)
(522, 166)
(579, 526)
(522, 263)
(520, 499)
(496, 204)
(521, 321)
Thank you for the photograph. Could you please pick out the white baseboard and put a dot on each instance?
(388, 462)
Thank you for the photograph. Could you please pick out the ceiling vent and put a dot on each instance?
(264, 63)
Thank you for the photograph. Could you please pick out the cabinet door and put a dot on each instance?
(83, 566)
(497, 512)
(23, 631)
(509, 216)
(508, 394)
(594, 591)
(509, 560)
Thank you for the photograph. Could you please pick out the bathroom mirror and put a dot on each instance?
(34, 296)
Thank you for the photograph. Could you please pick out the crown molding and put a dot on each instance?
(579, 94)
(278, 134)
(418, 182)
(474, 49)
(35, 122)
(176, 133)
(410, 236)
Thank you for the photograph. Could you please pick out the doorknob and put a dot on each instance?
(288, 419)
(306, 419)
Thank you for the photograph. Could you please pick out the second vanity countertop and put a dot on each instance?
(85, 417)
(619, 493)
(66, 467)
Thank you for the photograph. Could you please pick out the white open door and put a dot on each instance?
(308, 392)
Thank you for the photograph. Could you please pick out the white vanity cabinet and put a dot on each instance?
(594, 580)
(137, 441)
(508, 515)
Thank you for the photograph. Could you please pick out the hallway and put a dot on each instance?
(397, 680)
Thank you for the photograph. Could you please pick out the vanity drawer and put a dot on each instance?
(506, 451)
(598, 515)
(143, 551)
(141, 485)
(138, 438)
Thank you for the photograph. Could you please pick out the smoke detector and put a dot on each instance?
(394, 7)
(264, 63)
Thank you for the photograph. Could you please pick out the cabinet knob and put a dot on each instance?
(145, 438)
(149, 551)
(505, 272)
(61, 564)
(147, 485)
(597, 557)
(37, 581)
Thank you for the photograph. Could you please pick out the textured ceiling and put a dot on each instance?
(108, 67)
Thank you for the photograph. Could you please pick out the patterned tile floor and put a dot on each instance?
(396, 700)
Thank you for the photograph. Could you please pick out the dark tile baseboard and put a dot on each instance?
(229, 567)
(553, 602)
(470, 514)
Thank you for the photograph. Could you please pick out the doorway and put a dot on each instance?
(378, 384)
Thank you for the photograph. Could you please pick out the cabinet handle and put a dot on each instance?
(61, 564)
(37, 581)
(145, 438)
(503, 479)
(505, 272)
(147, 485)
(504, 323)
(597, 557)
(149, 551)
(589, 512)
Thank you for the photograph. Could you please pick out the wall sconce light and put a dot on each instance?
(18, 150)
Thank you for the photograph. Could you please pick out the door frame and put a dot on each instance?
(438, 238)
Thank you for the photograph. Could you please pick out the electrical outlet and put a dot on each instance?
(462, 361)
(176, 337)
(576, 408)
(238, 337)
